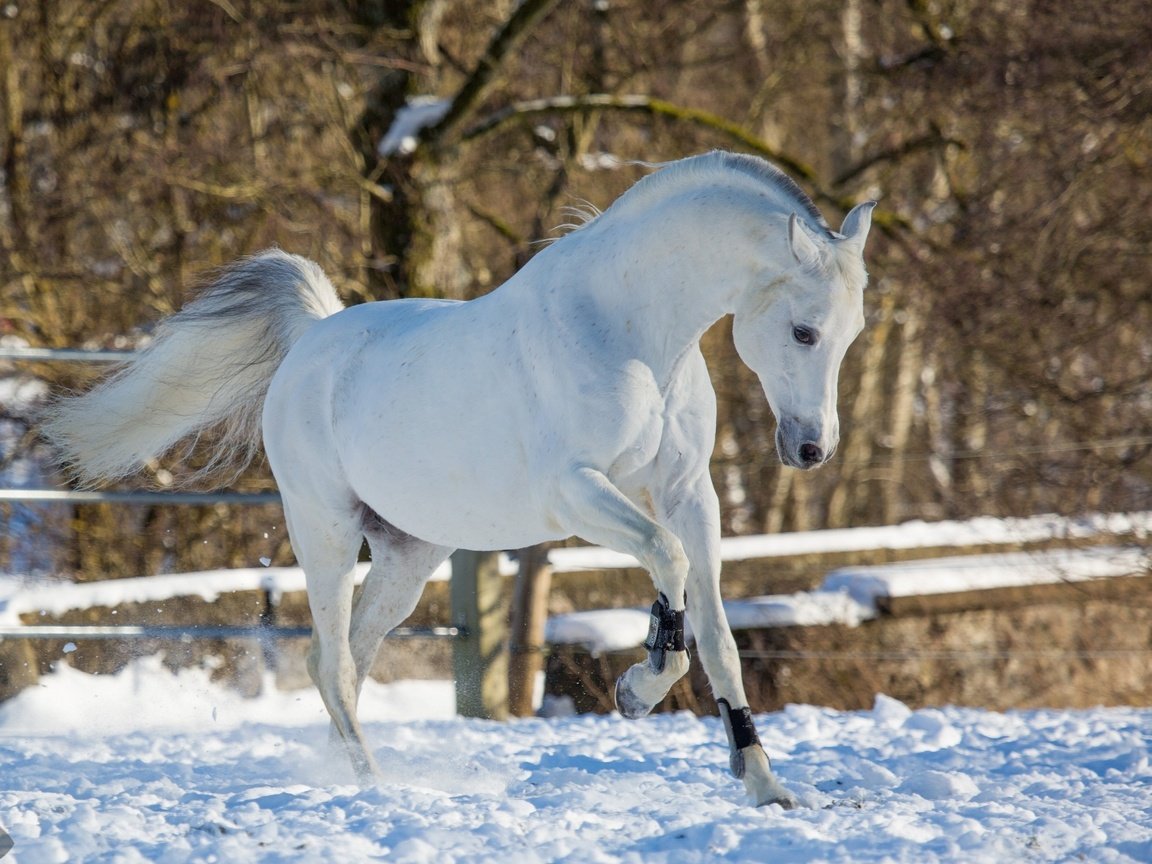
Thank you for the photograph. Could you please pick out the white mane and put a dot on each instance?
(719, 168)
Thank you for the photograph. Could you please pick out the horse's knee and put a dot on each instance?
(668, 562)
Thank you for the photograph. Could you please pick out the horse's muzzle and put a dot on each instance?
(799, 447)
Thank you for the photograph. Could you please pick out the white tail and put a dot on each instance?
(208, 368)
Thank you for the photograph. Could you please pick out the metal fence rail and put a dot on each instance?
(94, 496)
(182, 633)
(66, 355)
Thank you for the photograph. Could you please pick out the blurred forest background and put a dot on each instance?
(1007, 365)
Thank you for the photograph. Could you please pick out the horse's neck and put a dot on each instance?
(657, 291)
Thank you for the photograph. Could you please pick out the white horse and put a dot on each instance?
(572, 400)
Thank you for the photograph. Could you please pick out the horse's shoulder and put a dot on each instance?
(691, 384)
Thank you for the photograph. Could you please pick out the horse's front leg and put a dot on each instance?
(594, 509)
(697, 522)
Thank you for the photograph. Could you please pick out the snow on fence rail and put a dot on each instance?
(55, 597)
(981, 531)
(852, 595)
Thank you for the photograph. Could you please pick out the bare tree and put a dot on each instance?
(1005, 369)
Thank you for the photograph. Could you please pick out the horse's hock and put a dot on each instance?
(1061, 646)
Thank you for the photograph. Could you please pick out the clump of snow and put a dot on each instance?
(984, 572)
(600, 161)
(599, 630)
(206, 776)
(890, 712)
(403, 135)
(803, 609)
(19, 393)
(941, 786)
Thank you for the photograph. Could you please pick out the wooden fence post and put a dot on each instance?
(529, 616)
(480, 655)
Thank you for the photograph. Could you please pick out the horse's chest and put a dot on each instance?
(647, 416)
(641, 448)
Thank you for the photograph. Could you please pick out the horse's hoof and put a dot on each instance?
(786, 801)
(628, 703)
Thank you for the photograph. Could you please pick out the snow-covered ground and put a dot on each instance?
(153, 766)
(150, 766)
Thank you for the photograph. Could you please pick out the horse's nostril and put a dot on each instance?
(810, 453)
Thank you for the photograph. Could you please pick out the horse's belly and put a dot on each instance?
(462, 479)
(458, 508)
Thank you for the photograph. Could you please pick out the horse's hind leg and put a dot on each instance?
(326, 545)
(401, 566)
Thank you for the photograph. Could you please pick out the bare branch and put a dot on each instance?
(527, 14)
(647, 105)
(928, 141)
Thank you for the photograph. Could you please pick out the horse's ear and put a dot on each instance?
(805, 246)
(856, 225)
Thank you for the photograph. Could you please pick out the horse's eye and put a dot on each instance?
(804, 335)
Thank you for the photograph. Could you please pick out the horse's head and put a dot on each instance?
(795, 326)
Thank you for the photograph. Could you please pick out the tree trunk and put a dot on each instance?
(15, 233)
(858, 450)
(903, 409)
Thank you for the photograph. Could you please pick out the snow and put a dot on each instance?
(803, 609)
(404, 133)
(150, 766)
(599, 630)
(981, 531)
(985, 572)
(20, 595)
(18, 394)
(852, 595)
